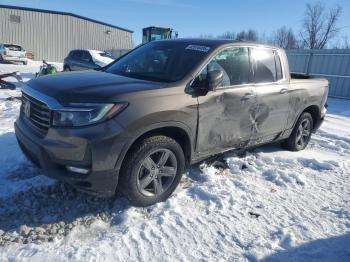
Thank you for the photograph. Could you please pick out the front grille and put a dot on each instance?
(38, 114)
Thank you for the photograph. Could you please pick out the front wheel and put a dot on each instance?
(152, 170)
(301, 134)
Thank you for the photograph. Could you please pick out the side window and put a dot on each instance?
(85, 56)
(76, 54)
(279, 73)
(264, 67)
(233, 62)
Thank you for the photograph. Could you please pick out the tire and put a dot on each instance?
(152, 170)
(67, 69)
(301, 134)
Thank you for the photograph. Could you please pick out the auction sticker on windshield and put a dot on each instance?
(199, 48)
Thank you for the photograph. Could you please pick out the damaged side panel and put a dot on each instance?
(226, 118)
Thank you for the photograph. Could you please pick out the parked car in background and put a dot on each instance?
(81, 59)
(139, 122)
(13, 53)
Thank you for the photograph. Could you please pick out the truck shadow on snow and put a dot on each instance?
(335, 249)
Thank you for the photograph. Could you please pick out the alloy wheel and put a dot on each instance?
(157, 172)
(303, 133)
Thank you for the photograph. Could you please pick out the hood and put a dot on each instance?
(89, 86)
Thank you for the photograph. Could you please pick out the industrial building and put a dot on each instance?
(51, 35)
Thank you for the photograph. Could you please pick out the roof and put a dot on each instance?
(158, 27)
(216, 42)
(63, 13)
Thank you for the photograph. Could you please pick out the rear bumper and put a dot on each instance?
(82, 148)
(320, 120)
(14, 58)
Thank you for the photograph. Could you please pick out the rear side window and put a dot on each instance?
(264, 66)
(279, 73)
(233, 62)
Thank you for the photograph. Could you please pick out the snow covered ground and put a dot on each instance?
(270, 205)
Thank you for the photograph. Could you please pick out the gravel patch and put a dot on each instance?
(43, 214)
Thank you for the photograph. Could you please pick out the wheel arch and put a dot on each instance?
(315, 113)
(176, 130)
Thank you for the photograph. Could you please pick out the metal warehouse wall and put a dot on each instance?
(333, 64)
(51, 36)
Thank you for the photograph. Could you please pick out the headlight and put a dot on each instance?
(82, 114)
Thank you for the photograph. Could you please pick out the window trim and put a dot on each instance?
(275, 51)
(214, 54)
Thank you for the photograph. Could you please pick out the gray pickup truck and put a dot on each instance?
(136, 125)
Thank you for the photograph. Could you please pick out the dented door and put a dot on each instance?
(227, 115)
(226, 118)
(272, 90)
(273, 107)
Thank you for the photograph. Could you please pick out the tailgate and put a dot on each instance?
(14, 50)
(15, 53)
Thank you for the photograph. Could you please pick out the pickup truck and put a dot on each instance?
(12, 53)
(137, 124)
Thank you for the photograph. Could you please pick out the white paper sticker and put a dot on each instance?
(199, 48)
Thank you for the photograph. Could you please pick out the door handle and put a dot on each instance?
(283, 91)
(247, 97)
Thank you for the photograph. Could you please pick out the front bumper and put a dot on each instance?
(95, 148)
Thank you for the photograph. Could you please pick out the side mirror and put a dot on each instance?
(215, 78)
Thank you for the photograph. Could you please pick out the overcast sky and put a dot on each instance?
(192, 18)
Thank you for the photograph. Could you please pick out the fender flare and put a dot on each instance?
(149, 128)
(302, 111)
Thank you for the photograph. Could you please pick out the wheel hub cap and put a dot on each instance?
(157, 172)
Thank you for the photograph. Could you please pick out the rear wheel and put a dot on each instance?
(301, 133)
(152, 170)
(67, 69)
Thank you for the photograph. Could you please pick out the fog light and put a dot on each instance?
(77, 170)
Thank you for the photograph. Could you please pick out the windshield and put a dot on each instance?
(161, 61)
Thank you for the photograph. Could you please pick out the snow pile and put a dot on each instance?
(268, 204)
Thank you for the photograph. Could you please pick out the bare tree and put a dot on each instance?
(346, 43)
(228, 35)
(250, 35)
(343, 43)
(319, 25)
(206, 36)
(285, 38)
